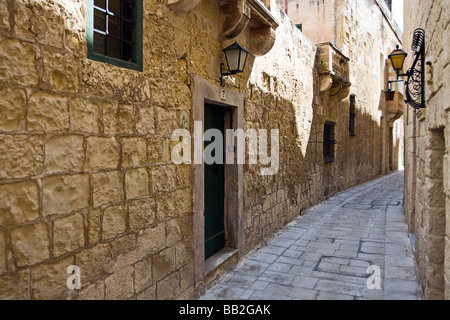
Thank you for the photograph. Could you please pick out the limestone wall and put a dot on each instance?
(427, 191)
(86, 177)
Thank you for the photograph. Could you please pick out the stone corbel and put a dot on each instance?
(393, 116)
(345, 91)
(325, 81)
(262, 27)
(339, 88)
(333, 71)
(262, 40)
(237, 15)
(182, 5)
(234, 16)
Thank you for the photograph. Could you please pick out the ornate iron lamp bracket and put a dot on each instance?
(415, 88)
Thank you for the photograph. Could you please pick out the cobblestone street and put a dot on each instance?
(326, 254)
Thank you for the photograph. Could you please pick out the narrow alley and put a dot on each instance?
(354, 245)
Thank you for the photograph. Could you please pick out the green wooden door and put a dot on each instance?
(214, 188)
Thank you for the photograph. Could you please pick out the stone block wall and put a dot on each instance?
(86, 177)
(427, 150)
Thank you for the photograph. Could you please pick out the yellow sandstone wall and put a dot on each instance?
(427, 189)
(86, 177)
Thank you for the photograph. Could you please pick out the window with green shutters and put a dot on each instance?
(114, 32)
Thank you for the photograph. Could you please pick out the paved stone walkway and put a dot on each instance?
(326, 254)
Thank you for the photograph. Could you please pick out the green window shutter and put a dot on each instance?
(136, 54)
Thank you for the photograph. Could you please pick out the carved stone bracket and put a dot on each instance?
(183, 5)
(394, 108)
(235, 16)
(333, 71)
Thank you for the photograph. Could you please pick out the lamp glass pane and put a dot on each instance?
(390, 95)
(232, 59)
(397, 61)
(242, 60)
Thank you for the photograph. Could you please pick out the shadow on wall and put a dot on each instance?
(304, 178)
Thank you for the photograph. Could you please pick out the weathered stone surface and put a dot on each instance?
(152, 240)
(2, 251)
(118, 118)
(137, 183)
(94, 225)
(19, 202)
(142, 213)
(119, 286)
(95, 291)
(64, 153)
(134, 152)
(22, 156)
(166, 205)
(145, 120)
(143, 274)
(41, 20)
(61, 71)
(15, 286)
(147, 294)
(12, 109)
(4, 14)
(30, 244)
(102, 153)
(68, 234)
(166, 121)
(184, 200)
(158, 150)
(18, 62)
(84, 116)
(63, 194)
(49, 281)
(107, 187)
(114, 221)
(183, 253)
(124, 245)
(47, 112)
(107, 81)
(183, 175)
(163, 178)
(163, 263)
(169, 287)
(173, 231)
(186, 276)
(94, 262)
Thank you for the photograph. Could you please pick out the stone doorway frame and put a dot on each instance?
(203, 92)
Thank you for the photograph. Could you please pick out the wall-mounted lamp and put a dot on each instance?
(397, 58)
(415, 88)
(236, 56)
(389, 94)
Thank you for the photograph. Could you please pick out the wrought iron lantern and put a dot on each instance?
(397, 58)
(415, 88)
(236, 57)
(389, 94)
